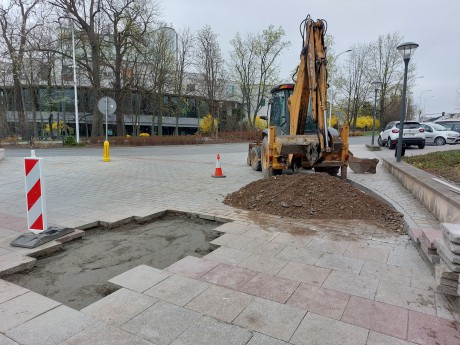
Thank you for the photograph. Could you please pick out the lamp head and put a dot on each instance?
(377, 85)
(407, 49)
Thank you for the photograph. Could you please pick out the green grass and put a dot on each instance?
(445, 164)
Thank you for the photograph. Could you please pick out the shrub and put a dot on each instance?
(205, 124)
(70, 141)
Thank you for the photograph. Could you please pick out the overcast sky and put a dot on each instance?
(433, 24)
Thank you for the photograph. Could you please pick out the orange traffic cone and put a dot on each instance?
(218, 171)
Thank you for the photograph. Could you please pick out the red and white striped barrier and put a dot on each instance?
(35, 194)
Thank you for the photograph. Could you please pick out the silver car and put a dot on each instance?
(440, 135)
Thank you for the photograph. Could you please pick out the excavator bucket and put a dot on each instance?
(362, 165)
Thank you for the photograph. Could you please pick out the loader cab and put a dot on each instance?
(279, 114)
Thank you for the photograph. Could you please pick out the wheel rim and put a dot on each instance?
(439, 141)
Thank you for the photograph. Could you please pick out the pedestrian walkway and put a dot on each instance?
(271, 281)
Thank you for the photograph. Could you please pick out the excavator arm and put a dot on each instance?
(311, 82)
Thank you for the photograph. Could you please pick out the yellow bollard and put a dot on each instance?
(106, 151)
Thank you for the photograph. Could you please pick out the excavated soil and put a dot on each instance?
(315, 196)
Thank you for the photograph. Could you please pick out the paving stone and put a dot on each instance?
(208, 331)
(319, 330)
(451, 232)
(364, 251)
(192, 267)
(430, 236)
(382, 339)
(140, 278)
(162, 322)
(13, 263)
(263, 247)
(44, 249)
(102, 334)
(432, 330)
(177, 289)
(220, 303)
(233, 228)
(229, 256)
(444, 308)
(319, 300)
(229, 276)
(263, 263)
(270, 287)
(119, 307)
(423, 281)
(76, 234)
(262, 339)
(304, 273)
(260, 234)
(4, 340)
(377, 316)
(340, 263)
(23, 308)
(328, 245)
(404, 258)
(406, 297)
(51, 328)
(9, 290)
(302, 255)
(447, 254)
(231, 241)
(351, 284)
(293, 240)
(400, 275)
(453, 247)
(270, 318)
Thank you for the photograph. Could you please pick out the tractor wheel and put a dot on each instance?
(255, 159)
(267, 169)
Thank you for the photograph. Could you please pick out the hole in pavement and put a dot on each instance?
(78, 275)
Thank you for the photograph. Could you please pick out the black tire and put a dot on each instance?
(380, 142)
(333, 171)
(390, 145)
(439, 141)
(277, 171)
(267, 170)
(256, 159)
(421, 146)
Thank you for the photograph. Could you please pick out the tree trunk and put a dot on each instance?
(19, 102)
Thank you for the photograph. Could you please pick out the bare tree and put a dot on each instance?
(17, 20)
(210, 66)
(253, 66)
(185, 45)
(161, 63)
(88, 19)
(129, 20)
(386, 66)
(354, 83)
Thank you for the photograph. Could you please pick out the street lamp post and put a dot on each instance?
(406, 50)
(377, 85)
(420, 103)
(330, 73)
(424, 105)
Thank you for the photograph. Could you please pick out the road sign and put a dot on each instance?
(107, 105)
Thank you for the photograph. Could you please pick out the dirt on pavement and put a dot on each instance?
(315, 196)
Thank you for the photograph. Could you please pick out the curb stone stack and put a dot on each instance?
(448, 270)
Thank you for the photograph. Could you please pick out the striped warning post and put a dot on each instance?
(35, 194)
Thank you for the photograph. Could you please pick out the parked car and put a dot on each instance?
(439, 135)
(413, 134)
(453, 125)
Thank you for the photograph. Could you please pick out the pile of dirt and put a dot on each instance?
(315, 196)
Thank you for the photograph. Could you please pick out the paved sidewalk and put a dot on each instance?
(341, 283)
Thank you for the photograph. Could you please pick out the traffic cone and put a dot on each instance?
(218, 171)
